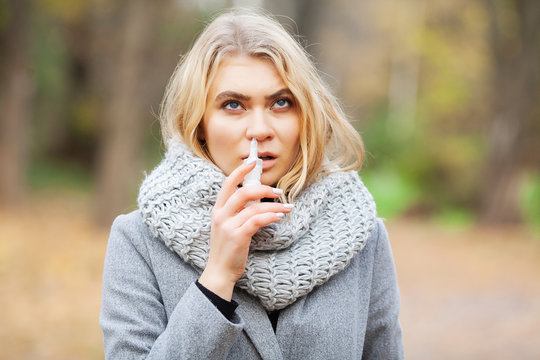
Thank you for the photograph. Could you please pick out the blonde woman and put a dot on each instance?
(298, 267)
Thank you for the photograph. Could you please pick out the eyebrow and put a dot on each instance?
(231, 94)
(278, 94)
(234, 95)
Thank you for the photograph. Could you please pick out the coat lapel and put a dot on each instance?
(286, 327)
(257, 326)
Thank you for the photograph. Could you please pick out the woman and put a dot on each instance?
(204, 271)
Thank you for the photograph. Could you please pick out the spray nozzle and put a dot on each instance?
(254, 176)
(253, 150)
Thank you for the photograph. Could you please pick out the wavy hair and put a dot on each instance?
(328, 142)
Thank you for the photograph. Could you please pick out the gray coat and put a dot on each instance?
(152, 309)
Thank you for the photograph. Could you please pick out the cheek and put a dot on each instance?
(217, 133)
(293, 137)
(222, 143)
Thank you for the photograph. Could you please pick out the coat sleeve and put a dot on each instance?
(133, 317)
(383, 334)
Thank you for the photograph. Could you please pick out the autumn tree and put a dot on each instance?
(514, 34)
(125, 108)
(16, 97)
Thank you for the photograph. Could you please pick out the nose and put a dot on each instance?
(259, 126)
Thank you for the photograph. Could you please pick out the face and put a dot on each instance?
(246, 100)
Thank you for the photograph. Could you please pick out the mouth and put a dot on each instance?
(265, 157)
(268, 159)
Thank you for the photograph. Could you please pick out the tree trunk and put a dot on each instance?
(405, 71)
(515, 93)
(15, 108)
(118, 159)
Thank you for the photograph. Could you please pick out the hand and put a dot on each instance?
(233, 225)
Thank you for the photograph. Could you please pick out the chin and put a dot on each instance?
(265, 180)
(270, 179)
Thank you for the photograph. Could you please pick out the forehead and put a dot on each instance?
(244, 73)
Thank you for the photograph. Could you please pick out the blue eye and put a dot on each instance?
(232, 105)
(281, 103)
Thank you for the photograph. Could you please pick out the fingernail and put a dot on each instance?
(277, 191)
(249, 161)
(280, 215)
(288, 206)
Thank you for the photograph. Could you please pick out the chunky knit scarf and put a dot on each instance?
(330, 223)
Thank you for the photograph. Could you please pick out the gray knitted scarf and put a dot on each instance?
(330, 223)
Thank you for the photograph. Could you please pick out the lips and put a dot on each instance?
(268, 159)
(266, 156)
(268, 163)
(263, 156)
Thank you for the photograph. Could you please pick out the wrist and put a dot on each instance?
(217, 283)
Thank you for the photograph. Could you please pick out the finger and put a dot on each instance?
(258, 221)
(255, 209)
(241, 197)
(231, 183)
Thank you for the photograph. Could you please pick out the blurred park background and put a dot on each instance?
(444, 93)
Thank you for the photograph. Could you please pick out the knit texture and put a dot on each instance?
(330, 223)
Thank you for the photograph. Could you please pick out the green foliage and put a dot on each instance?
(455, 218)
(530, 200)
(64, 10)
(424, 172)
(51, 57)
(55, 174)
(454, 63)
(392, 192)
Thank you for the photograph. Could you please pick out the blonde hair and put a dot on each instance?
(327, 139)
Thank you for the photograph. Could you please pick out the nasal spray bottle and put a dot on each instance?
(254, 176)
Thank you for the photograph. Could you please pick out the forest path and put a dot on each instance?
(468, 294)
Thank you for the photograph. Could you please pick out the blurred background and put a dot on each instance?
(444, 93)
